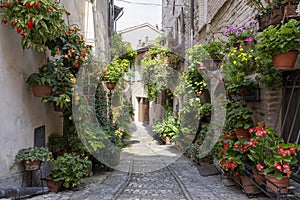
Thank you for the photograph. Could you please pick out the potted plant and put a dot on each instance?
(231, 157)
(239, 117)
(239, 64)
(168, 128)
(35, 21)
(62, 88)
(282, 43)
(33, 156)
(113, 71)
(210, 54)
(70, 48)
(42, 80)
(246, 90)
(69, 169)
(240, 37)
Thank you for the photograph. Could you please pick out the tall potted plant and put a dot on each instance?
(282, 43)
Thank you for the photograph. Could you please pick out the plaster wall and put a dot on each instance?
(21, 112)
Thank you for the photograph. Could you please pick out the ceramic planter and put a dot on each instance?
(41, 90)
(110, 85)
(53, 186)
(285, 61)
(242, 133)
(248, 185)
(32, 165)
(277, 186)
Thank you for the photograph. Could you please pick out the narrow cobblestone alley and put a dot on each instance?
(147, 172)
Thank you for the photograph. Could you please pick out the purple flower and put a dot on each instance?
(249, 39)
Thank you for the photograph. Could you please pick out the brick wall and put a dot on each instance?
(236, 13)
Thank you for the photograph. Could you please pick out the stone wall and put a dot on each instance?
(236, 13)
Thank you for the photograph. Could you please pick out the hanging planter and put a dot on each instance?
(285, 61)
(41, 90)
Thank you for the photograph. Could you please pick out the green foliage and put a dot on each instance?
(114, 71)
(215, 50)
(70, 169)
(246, 87)
(168, 127)
(280, 39)
(157, 69)
(44, 75)
(70, 49)
(238, 115)
(238, 65)
(33, 153)
(35, 21)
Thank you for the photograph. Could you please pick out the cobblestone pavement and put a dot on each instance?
(149, 171)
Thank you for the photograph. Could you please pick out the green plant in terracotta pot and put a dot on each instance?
(239, 116)
(168, 128)
(32, 154)
(281, 40)
(70, 169)
(42, 79)
(35, 21)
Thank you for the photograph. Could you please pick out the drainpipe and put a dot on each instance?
(192, 22)
(22, 191)
(120, 15)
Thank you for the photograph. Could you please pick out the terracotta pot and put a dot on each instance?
(285, 61)
(259, 177)
(110, 85)
(41, 90)
(33, 165)
(168, 140)
(192, 137)
(229, 136)
(57, 108)
(242, 133)
(277, 186)
(53, 186)
(248, 186)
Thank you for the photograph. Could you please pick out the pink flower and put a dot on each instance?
(259, 167)
(249, 39)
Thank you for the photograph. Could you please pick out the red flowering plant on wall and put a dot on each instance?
(35, 20)
(232, 155)
(270, 154)
(70, 48)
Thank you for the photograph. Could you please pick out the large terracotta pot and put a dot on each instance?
(285, 61)
(277, 186)
(41, 90)
(53, 186)
(242, 133)
(259, 177)
(248, 186)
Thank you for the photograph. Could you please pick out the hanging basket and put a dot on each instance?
(41, 90)
(285, 61)
(110, 85)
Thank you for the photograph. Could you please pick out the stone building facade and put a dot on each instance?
(205, 21)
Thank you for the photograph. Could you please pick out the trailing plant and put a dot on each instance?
(35, 21)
